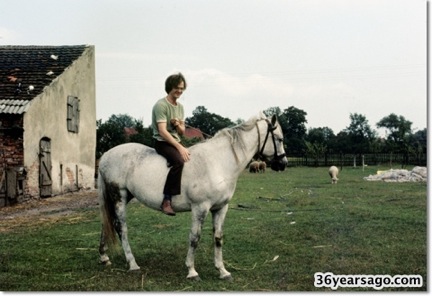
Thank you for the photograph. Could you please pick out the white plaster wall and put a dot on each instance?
(47, 117)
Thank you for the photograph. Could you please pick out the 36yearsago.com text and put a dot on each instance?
(377, 282)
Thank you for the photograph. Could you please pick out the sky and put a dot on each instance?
(329, 58)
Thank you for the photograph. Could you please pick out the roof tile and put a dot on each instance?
(22, 66)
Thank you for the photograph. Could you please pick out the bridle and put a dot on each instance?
(270, 130)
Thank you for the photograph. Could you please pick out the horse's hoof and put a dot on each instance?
(227, 278)
(135, 270)
(105, 263)
(195, 278)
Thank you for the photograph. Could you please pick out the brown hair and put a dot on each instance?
(173, 81)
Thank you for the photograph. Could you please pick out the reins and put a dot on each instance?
(209, 137)
(270, 130)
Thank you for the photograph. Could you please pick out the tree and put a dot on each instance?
(293, 122)
(112, 132)
(418, 144)
(341, 142)
(322, 135)
(272, 111)
(143, 135)
(208, 123)
(399, 130)
(360, 134)
(315, 150)
(318, 142)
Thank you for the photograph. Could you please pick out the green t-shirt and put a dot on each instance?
(164, 111)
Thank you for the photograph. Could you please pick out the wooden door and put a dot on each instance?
(45, 180)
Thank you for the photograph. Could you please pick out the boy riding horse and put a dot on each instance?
(168, 125)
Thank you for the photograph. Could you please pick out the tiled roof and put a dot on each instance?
(26, 70)
(192, 133)
(13, 106)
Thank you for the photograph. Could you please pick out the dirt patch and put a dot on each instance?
(50, 209)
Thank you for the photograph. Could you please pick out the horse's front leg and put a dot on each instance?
(198, 216)
(218, 220)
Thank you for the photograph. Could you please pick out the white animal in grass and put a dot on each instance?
(208, 183)
(333, 172)
(254, 167)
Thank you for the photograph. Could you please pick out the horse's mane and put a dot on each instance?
(245, 126)
(233, 133)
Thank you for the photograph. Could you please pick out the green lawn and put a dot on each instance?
(280, 230)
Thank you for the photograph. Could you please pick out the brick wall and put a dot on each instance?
(11, 153)
(11, 141)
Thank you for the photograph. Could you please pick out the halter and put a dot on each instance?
(270, 130)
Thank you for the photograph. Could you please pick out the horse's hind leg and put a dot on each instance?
(104, 207)
(104, 259)
(218, 220)
(121, 228)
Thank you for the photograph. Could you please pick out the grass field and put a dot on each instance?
(280, 230)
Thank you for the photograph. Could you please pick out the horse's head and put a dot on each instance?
(272, 146)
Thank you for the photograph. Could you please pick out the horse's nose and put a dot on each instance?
(279, 165)
(282, 166)
(285, 161)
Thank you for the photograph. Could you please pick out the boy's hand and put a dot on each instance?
(175, 122)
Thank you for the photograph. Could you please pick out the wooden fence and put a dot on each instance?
(358, 160)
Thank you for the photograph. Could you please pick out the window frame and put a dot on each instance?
(73, 114)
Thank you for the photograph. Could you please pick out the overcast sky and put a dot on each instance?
(329, 58)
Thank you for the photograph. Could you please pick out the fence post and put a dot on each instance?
(391, 157)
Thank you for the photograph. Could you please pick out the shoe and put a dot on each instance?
(167, 209)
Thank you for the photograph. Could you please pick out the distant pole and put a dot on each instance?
(363, 162)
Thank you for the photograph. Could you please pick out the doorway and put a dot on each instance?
(45, 179)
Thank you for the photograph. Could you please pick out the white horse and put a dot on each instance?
(208, 183)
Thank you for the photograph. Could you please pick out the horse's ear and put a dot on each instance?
(273, 120)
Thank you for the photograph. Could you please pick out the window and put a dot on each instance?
(72, 114)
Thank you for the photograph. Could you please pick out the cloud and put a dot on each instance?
(7, 36)
(134, 56)
(234, 95)
(238, 85)
(240, 95)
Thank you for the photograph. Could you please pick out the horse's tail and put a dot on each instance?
(107, 211)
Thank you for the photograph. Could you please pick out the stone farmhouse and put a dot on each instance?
(47, 121)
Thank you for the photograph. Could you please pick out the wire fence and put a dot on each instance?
(359, 160)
